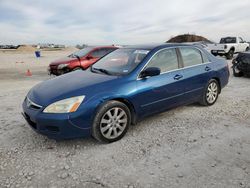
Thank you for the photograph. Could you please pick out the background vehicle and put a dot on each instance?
(229, 46)
(201, 44)
(241, 65)
(122, 88)
(81, 59)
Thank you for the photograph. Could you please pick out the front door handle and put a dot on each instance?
(207, 68)
(178, 77)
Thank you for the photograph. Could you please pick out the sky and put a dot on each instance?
(95, 22)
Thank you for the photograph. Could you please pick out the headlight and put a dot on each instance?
(61, 66)
(65, 106)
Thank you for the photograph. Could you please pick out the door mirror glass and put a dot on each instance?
(150, 71)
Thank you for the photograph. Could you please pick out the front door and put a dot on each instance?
(158, 93)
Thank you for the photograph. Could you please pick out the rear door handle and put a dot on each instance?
(178, 77)
(207, 68)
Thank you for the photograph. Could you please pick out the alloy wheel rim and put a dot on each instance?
(236, 69)
(212, 92)
(113, 123)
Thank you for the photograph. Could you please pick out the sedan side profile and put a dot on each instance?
(81, 59)
(122, 88)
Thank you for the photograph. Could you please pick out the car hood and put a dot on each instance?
(69, 85)
(64, 60)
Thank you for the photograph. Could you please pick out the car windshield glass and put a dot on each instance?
(81, 53)
(120, 62)
(228, 40)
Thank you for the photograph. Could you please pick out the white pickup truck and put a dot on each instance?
(228, 46)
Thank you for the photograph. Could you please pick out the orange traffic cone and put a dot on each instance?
(28, 73)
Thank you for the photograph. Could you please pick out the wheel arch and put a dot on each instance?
(219, 82)
(125, 101)
(232, 48)
(131, 107)
(76, 67)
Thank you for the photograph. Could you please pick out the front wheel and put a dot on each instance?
(230, 54)
(211, 93)
(111, 122)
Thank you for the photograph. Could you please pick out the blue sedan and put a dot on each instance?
(122, 88)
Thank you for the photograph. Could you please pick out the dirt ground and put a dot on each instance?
(190, 146)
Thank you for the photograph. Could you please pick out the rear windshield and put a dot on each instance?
(228, 40)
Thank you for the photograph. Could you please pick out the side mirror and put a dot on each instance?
(150, 71)
(89, 57)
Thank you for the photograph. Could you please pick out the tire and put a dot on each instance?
(230, 54)
(237, 72)
(247, 49)
(212, 89)
(111, 122)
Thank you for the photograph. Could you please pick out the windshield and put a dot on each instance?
(120, 62)
(228, 40)
(81, 53)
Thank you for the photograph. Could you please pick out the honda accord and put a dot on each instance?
(122, 88)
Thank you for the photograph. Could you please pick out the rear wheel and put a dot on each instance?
(111, 122)
(211, 93)
(230, 54)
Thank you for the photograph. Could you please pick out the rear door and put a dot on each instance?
(242, 46)
(196, 72)
(164, 91)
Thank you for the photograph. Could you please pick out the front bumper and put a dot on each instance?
(56, 126)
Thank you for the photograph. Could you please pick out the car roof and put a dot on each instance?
(153, 46)
(98, 47)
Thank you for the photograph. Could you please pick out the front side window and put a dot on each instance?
(205, 58)
(82, 52)
(99, 53)
(166, 60)
(191, 56)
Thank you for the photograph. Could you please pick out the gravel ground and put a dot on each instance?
(190, 146)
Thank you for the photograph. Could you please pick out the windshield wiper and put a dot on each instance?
(102, 71)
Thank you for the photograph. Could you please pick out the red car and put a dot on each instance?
(81, 59)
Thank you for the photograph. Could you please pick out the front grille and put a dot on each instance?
(31, 104)
(52, 129)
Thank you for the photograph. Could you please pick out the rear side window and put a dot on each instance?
(205, 58)
(108, 50)
(191, 56)
(165, 60)
(101, 52)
